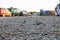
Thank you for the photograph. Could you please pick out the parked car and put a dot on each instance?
(25, 13)
(57, 9)
(36, 14)
(47, 12)
(41, 12)
(52, 12)
(5, 12)
(15, 11)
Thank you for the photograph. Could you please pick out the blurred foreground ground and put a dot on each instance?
(31, 28)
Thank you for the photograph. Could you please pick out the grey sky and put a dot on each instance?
(30, 5)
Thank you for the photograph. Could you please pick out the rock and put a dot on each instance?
(13, 38)
(52, 38)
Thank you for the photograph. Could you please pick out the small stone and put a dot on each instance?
(52, 38)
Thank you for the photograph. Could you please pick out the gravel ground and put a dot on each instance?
(31, 28)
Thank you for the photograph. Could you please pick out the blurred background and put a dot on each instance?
(30, 5)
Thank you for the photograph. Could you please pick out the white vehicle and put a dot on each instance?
(57, 9)
(36, 14)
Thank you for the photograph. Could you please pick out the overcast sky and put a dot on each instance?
(30, 5)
